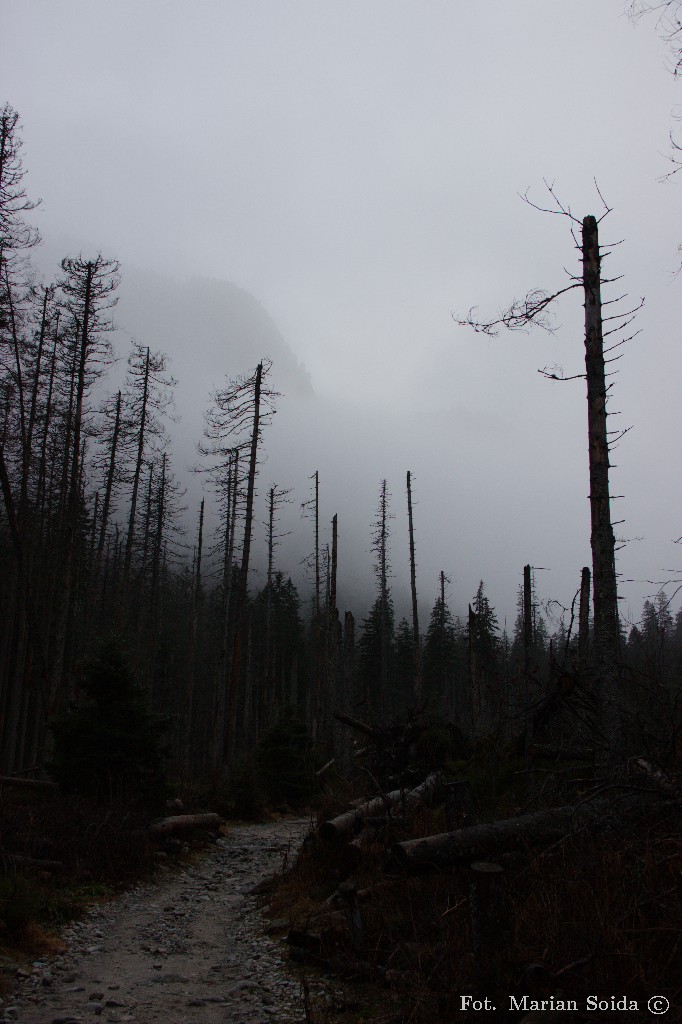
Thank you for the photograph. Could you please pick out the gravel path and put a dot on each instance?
(184, 949)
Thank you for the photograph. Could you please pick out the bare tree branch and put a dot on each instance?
(531, 310)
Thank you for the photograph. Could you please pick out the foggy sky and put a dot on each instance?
(355, 166)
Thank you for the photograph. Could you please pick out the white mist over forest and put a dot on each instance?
(326, 186)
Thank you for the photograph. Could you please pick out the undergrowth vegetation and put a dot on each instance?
(595, 913)
(59, 855)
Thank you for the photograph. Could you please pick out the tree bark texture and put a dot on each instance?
(183, 822)
(584, 618)
(351, 821)
(527, 617)
(479, 841)
(605, 594)
(240, 604)
(413, 587)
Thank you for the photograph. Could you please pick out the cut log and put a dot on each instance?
(356, 724)
(333, 830)
(478, 841)
(183, 822)
(513, 834)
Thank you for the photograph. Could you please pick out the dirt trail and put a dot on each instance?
(185, 949)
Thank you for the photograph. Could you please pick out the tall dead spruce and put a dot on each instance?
(533, 310)
(234, 425)
(413, 588)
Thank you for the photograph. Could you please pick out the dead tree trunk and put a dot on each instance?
(521, 314)
(413, 587)
(351, 821)
(332, 584)
(336, 828)
(474, 676)
(333, 631)
(81, 351)
(47, 420)
(318, 632)
(479, 841)
(380, 548)
(183, 822)
(527, 618)
(605, 592)
(513, 834)
(240, 609)
(28, 451)
(191, 667)
(354, 723)
(109, 486)
(348, 656)
(584, 618)
(223, 673)
(138, 470)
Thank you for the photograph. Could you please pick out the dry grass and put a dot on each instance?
(37, 940)
(58, 855)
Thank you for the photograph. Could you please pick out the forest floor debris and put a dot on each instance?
(590, 913)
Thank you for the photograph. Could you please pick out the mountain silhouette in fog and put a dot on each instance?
(209, 328)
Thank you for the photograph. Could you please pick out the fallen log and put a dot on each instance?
(478, 841)
(424, 792)
(356, 724)
(331, 831)
(183, 822)
(351, 821)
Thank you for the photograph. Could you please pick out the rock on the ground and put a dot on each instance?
(186, 949)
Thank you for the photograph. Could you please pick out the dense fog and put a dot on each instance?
(326, 186)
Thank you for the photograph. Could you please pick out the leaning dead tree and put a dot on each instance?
(534, 310)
